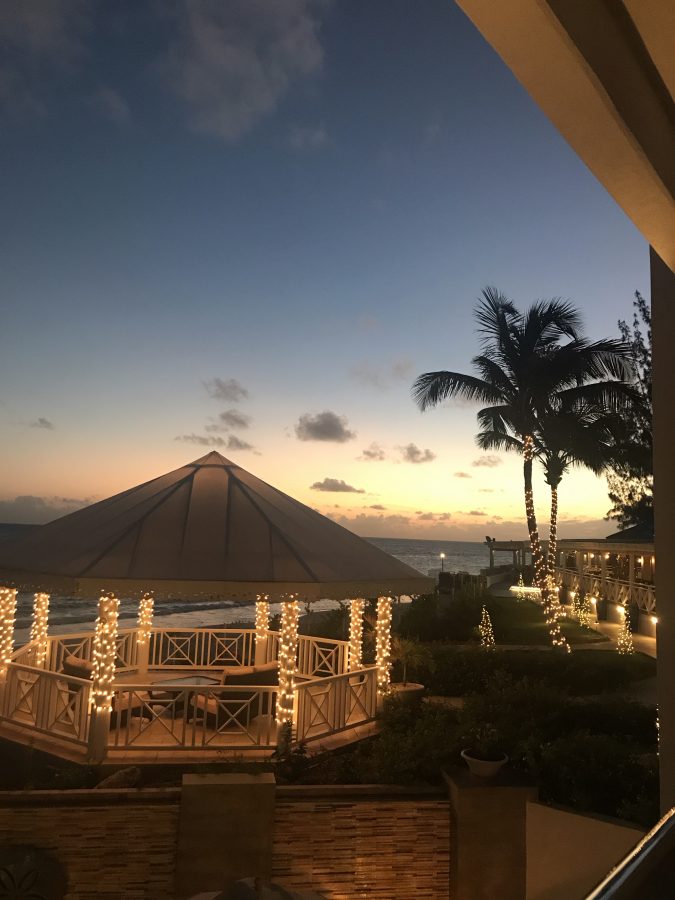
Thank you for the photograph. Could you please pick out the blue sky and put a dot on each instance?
(305, 197)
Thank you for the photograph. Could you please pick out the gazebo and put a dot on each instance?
(208, 530)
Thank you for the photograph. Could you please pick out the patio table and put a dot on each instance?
(181, 689)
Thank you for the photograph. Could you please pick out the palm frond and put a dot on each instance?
(498, 440)
(432, 388)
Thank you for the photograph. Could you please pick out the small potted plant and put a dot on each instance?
(411, 657)
(484, 755)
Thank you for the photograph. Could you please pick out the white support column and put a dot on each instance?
(146, 609)
(288, 652)
(356, 634)
(7, 616)
(39, 628)
(103, 675)
(383, 645)
(262, 625)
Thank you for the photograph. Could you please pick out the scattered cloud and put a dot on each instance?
(372, 453)
(111, 104)
(324, 426)
(229, 420)
(336, 485)
(486, 490)
(43, 423)
(382, 377)
(488, 462)
(28, 509)
(232, 442)
(475, 512)
(229, 390)
(462, 475)
(426, 517)
(38, 36)
(377, 506)
(413, 454)
(304, 138)
(233, 63)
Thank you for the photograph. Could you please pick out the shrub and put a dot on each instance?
(597, 773)
(452, 619)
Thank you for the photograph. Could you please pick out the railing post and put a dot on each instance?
(7, 616)
(146, 608)
(262, 624)
(355, 657)
(103, 674)
(288, 650)
(39, 628)
(383, 645)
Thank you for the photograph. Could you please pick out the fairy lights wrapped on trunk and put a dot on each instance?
(7, 617)
(39, 628)
(383, 644)
(356, 634)
(104, 653)
(288, 651)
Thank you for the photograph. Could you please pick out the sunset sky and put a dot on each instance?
(249, 225)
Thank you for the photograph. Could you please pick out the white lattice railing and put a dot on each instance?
(189, 717)
(47, 702)
(201, 648)
(321, 657)
(614, 590)
(333, 704)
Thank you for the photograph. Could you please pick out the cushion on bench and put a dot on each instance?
(76, 667)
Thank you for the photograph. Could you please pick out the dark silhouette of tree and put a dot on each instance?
(534, 367)
(630, 481)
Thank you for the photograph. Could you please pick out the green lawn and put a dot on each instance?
(523, 622)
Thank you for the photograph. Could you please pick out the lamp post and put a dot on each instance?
(442, 561)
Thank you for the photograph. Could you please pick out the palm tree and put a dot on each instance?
(523, 365)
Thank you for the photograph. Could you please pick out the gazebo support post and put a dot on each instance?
(103, 675)
(356, 634)
(262, 624)
(383, 646)
(40, 628)
(146, 609)
(7, 616)
(288, 652)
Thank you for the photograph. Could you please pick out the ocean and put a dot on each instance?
(71, 614)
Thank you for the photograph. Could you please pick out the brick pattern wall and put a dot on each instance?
(388, 848)
(111, 849)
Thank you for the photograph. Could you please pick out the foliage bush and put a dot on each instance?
(455, 619)
(459, 671)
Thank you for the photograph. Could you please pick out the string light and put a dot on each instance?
(146, 608)
(104, 653)
(553, 534)
(38, 631)
(383, 644)
(487, 637)
(288, 649)
(624, 642)
(356, 634)
(7, 616)
(262, 618)
(520, 592)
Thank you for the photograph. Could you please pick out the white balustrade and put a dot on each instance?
(329, 705)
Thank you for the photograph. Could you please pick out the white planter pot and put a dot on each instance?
(483, 768)
(409, 692)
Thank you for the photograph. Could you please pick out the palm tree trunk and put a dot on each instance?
(541, 580)
(553, 534)
(535, 546)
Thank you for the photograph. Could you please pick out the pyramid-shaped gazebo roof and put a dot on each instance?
(207, 529)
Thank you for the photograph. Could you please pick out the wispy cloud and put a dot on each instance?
(229, 420)
(372, 453)
(232, 442)
(37, 37)
(413, 454)
(234, 62)
(474, 512)
(28, 509)
(487, 462)
(229, 390)
(307, 138)
(43, 423)
(384, 376)
(462, 475)
(335, 486)
(324, 426)
(112, 105)
(377, 506)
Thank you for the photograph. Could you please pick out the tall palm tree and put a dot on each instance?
(523, 364)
